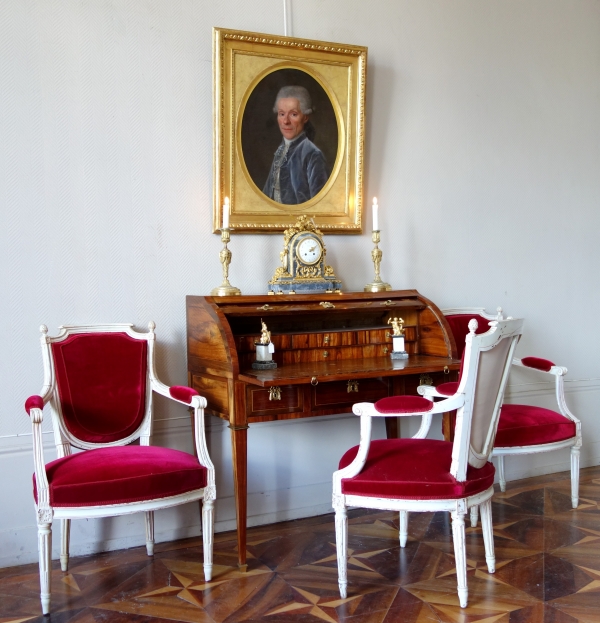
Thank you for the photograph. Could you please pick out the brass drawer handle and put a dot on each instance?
(352, 386)
(386, 350)
(274, 393)
(265, 307)
(389, 303)
(388, 334)
(314, 382)
(326, 353)
(327, 305)
(446, 371)
(326, 340)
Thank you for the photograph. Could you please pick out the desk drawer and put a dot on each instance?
(274, 400)
(329, 395)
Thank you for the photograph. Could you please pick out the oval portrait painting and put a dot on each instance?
(289, 136)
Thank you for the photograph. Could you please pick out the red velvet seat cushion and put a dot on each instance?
(447, 389)
(522, 425)
(404, 404)
(413, 469)
(122, 474)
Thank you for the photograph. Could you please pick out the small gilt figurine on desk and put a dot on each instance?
(264, 350)
(398, 351)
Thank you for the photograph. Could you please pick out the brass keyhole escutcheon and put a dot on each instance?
(326, 340)
(264, 307)
(326, 353)
(385, 350)
(274, 393)
(352, 386)
(389, 303)
(327, 305)
(446, 371)
(388, 335)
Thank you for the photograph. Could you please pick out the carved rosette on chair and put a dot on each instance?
(428, 475)
(98, 383)
(303, 269)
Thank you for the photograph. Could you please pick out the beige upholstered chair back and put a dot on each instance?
(488, 357)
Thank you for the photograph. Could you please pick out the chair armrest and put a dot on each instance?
(179, 393)
(540, 365)
(449, 404)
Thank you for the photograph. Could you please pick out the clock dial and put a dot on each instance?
(310, 250)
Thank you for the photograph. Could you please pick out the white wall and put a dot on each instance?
(483, 146)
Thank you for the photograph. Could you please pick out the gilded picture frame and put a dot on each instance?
(270, 181)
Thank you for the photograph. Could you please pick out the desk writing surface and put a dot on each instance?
(324, 371)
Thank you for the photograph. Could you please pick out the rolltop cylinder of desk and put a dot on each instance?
(332, 350)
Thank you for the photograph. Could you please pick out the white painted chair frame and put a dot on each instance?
(463, 454)
(558, 372)
(64, 440)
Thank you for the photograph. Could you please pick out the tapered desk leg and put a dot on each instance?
(239, 444)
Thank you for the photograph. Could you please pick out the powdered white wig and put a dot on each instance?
(299, 93)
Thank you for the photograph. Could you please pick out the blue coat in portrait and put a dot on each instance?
(298, 172)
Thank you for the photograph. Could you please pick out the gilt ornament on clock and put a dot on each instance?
(303, 269)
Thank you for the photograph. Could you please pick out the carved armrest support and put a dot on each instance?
(559, 372)
(429, 391)
(34, 406)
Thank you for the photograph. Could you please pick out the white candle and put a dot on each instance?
(226, 213)
(375, 215)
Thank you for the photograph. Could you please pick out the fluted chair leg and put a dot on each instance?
(474, 516)
(208, 523)
(575, 452)
(403, 532)
(488, 535)
(65, 526)
(341, 541)
(150, 533)
(460, 556)
(501, 476)
(45, 552)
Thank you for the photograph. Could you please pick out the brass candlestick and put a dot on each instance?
(225, 289)
(376, 254)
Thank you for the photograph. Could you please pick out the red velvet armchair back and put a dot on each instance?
(459, 324)
(101, 380)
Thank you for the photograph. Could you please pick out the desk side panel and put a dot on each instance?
(435, 336)
(211, 364)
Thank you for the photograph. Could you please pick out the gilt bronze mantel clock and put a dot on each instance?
(303, 269)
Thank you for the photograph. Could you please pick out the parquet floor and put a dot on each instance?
(548, 570)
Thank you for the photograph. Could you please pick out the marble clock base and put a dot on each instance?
(305, 287)
(399, 355)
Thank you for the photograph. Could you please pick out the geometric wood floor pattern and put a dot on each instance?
(547, 570)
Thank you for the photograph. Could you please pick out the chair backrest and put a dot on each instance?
(458, 319)
(486, 366)
(100, 383)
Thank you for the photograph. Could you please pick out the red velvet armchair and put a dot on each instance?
(522, 429)
(98, 382)
(427, 475)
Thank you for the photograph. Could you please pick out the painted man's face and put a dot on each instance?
(290, 118)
